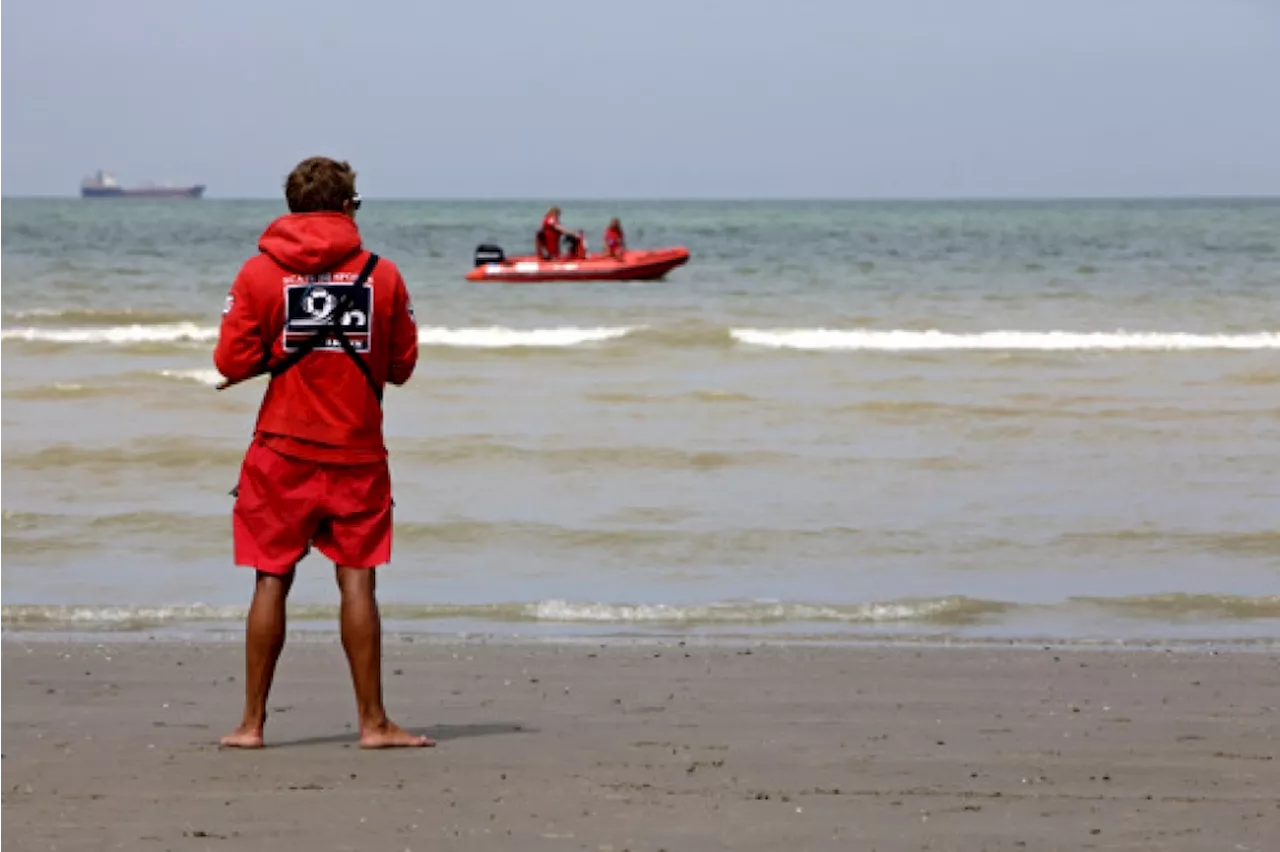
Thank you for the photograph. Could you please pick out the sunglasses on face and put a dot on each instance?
(355, 201)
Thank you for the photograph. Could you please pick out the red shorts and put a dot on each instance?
(285, 504)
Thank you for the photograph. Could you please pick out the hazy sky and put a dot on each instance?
(663, 98)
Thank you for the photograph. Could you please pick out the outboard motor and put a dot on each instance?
(488, 253)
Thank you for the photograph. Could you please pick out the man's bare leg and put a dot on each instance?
(362, 640)
(264, 640)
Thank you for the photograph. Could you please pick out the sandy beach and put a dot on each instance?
(668, 746)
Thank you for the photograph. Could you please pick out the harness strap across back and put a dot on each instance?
(334, 329)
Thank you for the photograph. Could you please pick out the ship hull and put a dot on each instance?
(148, 192)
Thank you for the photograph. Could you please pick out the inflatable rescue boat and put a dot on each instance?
(492, 265)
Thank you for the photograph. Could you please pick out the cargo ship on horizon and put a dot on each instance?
(104, 185)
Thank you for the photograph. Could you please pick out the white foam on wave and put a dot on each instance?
(492, 337)
(568, 611)
(554, 610)
(55, 614)
(813, 339)
(203, 377)
(819, 339)
(499, 337)
(124, 334)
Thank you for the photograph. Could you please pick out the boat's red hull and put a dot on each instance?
(634, 266)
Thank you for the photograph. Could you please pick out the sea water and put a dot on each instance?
(964, 419)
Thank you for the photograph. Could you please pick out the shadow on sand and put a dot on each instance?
(439, 733)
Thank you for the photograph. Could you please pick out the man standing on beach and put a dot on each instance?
(332, 324)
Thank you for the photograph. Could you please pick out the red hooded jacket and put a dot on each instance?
(322, 408)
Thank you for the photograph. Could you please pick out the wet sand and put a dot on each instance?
(647, 748)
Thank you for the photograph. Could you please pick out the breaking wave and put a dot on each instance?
(177, 332)
(906, 341)
(949, 610)
(690, 336)
(201, 377)
(954, 611)
(498, 337)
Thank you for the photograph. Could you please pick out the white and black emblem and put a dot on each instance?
(311, 307)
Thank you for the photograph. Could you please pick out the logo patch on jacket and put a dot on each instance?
(310, 306)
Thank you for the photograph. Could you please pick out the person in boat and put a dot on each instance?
(615, 242)
(548, 238)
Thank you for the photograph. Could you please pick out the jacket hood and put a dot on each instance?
(310, 242)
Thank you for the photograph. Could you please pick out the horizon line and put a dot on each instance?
(1266, 196)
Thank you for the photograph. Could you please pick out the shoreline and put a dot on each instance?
(644, 748)
(1155, 619)
(233, 635)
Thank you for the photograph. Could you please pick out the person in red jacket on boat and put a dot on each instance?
(548, 239)
(332, 324)
(615, 242)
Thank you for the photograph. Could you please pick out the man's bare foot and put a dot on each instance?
(243, 737)
(390, 735)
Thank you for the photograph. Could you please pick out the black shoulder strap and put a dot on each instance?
(334, 329)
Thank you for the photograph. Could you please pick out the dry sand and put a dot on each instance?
(647, 748)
